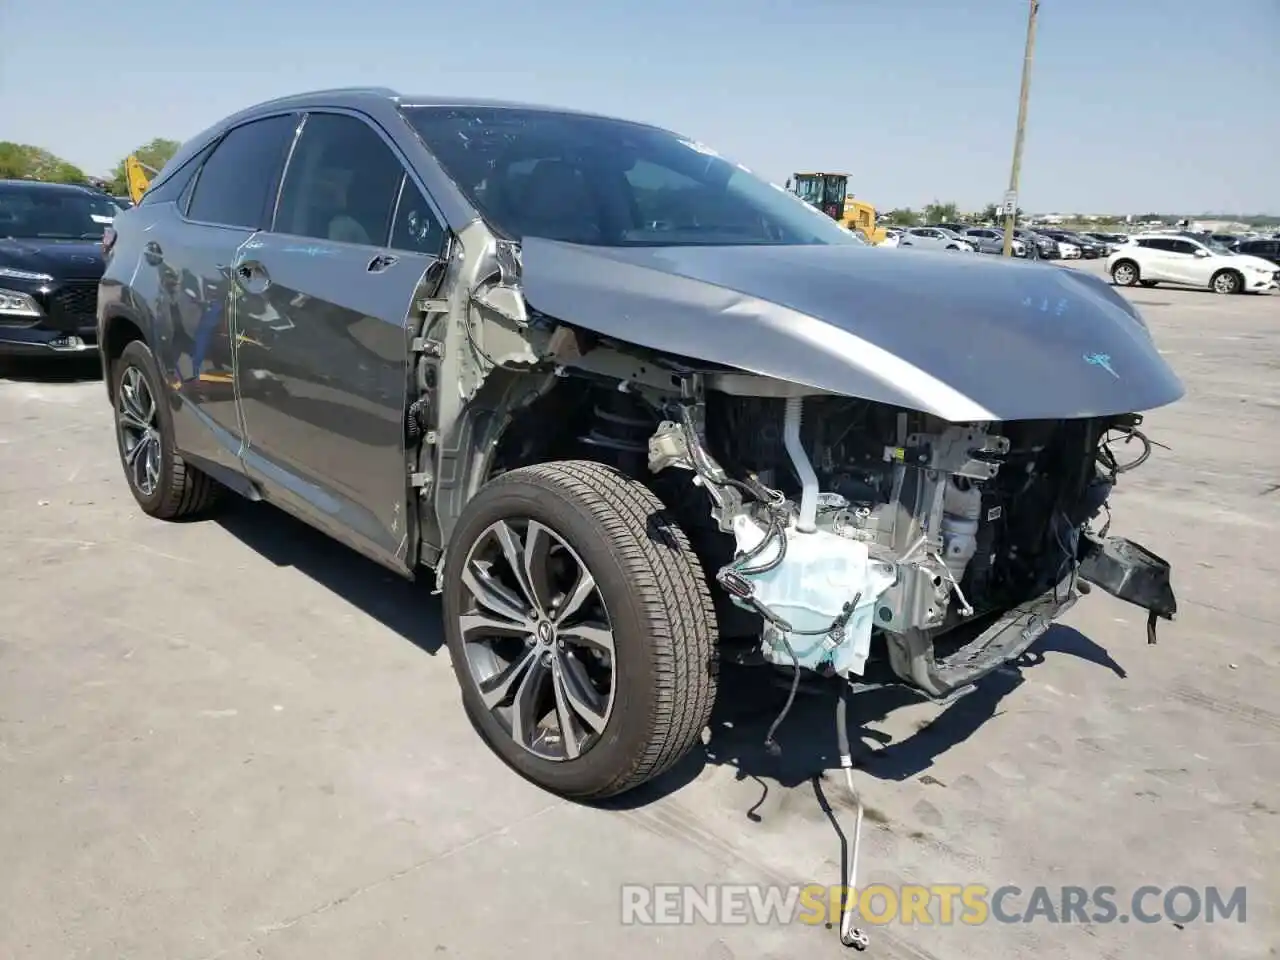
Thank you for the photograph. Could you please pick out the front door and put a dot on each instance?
(322, 338)
(1189, 263)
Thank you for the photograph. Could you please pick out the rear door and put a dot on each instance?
(1159, 261)
(323, 346)
(227, 200)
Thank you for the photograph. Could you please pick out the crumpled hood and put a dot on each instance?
(60, 259)
(964, 338)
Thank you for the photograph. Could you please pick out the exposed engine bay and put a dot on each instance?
(831, 521)
(955, 520)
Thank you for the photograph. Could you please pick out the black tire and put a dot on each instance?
(1125, 273)
(179, 490)
(1147, 283)
(1226, 282)
(658, 604)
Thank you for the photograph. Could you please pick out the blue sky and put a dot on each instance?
(1136, 105)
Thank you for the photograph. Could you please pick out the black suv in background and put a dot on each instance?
(50, 265)
(1266, 249)
(1091, 248)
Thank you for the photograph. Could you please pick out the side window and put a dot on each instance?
(1183, 247)
(175, 187)
(342, 183)
(237, 183)
(416, 227)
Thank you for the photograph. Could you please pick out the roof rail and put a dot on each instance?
(331, 91)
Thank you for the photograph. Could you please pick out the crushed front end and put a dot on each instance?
(852, 531)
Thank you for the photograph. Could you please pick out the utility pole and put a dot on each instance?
(1011, 198)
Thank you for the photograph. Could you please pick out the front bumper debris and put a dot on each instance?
(912, 658)
(1132, 573)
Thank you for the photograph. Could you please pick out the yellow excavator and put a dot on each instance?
(829, 192)
(137, 177)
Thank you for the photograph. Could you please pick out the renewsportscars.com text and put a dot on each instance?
(918, 904)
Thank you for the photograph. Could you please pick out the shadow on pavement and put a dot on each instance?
(405, 606)
(750, 699)
(55, 369)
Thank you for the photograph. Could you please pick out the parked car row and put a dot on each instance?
(932, 237)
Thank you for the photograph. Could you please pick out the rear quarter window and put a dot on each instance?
(236, 185)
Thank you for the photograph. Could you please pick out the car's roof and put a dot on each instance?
(378, 102)
(364, 96)
(45, 185)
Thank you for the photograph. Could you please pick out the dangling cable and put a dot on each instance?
(850, 935)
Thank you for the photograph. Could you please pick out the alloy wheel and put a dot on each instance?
(1124, 274)
(1224, 283)
(537, 637)
(138, 423)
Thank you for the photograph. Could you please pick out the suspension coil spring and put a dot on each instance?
(619, 423)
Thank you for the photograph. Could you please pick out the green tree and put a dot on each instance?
(990, 213)
(154, 154)
(941, 212)
(904, 217)
(21, 161)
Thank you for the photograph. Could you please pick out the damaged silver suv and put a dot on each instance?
(638, 409)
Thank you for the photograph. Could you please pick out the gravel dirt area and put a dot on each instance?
(235, 739)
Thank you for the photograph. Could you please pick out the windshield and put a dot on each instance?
(602, 182)
(54, 214)
(1214, 245)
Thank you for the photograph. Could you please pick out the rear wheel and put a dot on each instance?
(1125, 273)
(1226, 282)
(164, 485)
(581, 628)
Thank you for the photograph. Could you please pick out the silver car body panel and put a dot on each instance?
(961, 338)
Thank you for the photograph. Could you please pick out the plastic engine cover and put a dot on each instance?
(820, 574)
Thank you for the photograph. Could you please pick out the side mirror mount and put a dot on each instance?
(1201, 253)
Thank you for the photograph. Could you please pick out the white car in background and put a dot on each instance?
(1151, 258)
(934, 238)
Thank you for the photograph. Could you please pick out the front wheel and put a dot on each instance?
(1226, 282)
(581, 628)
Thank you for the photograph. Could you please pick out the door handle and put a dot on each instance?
(382, 262)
